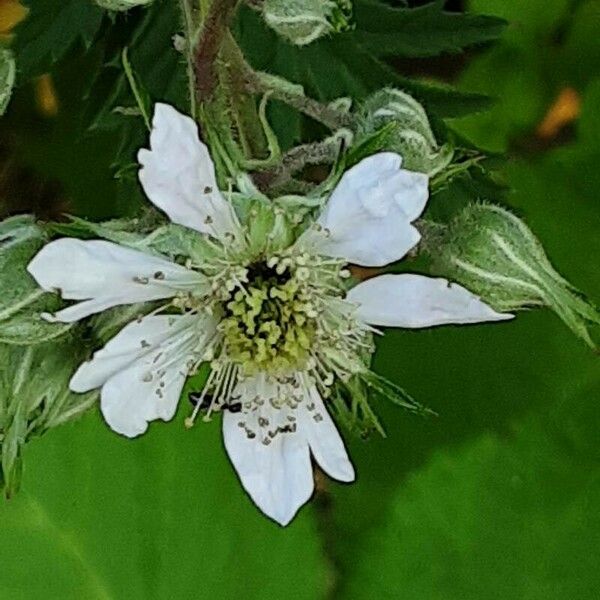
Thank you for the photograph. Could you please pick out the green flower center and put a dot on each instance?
(269, 323)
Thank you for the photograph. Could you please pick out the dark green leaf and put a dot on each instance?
(423, 31)
(499, 518)
(51, 29)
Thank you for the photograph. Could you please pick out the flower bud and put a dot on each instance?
(412, 137)
(121, 5)
(304, 21)
(495, 255)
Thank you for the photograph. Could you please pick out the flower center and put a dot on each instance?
(269, 323)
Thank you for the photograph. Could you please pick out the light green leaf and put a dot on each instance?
(162, 516)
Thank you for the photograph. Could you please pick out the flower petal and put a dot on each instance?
(136, 341)
(105, 274)
(324, 439)
(367, 220)
(275, 471)
(415, 301)
(142, 370)
(178, 175)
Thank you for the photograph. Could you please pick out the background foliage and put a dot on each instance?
(498, 497)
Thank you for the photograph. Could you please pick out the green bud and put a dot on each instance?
(121, 5)
(7, 78)
(304, 21)
(495, 255)
(412, 136)
(34, 398)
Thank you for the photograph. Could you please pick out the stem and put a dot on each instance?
(242, 103)
(260, 83)
(207, 50)
(190, 28)
(318, 153)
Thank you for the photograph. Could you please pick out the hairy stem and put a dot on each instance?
(318, 153)
(242, 103)
(206, 52)
(260, 83)
(191, 30)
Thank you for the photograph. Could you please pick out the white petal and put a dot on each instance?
(278, 476)
(415, 301)
(136, 341)
(105, 274)
(129, 404)
(142, 370)
(324, 439)
(178, 175)
(379, 243)
(367, 220)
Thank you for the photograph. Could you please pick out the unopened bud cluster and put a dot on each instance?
(304, 21)
(412, 136)
(494, 254)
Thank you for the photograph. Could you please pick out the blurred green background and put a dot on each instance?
(497, 498)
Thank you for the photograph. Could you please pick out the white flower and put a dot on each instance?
(274, 320)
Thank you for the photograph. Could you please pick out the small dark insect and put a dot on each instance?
(194, 398)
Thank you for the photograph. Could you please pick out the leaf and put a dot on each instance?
(481, 380)
(423, 31)
(499, 518)
(51, 29)
(338, 66)
(162, 516)
(34, 397)
(22, 301)
(524, 94)
(7, 78)
(159, 70)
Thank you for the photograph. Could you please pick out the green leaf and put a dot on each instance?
(7, 78)
(159, 70)
(423, 31)
(338, 66)
(34, 397)
(22, 302)
(162, 516)
(534, 19)
(524, 94)
(501, 518)
(51, 29)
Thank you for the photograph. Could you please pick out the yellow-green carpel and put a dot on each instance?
(270, 324)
